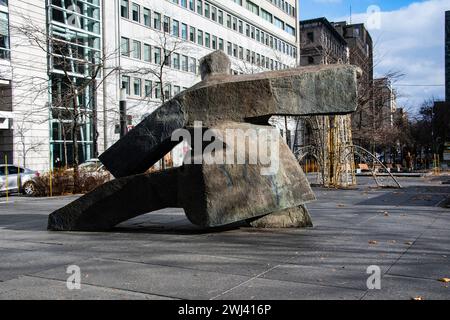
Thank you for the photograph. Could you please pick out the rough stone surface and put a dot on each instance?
(147, 143)
(239, 192)
(117, 201)
(297, 217)
(214, 64)
(330, 89)
(216, 195)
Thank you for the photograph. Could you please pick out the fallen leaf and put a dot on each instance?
(409, 243)
(418, 298)
(341, 205)
(445, 280)
(373, 242)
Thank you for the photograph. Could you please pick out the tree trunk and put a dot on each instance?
(75, 129)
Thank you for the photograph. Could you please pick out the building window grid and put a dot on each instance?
(229, 20)
(233, 50)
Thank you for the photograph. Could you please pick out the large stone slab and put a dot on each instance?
(222, 97)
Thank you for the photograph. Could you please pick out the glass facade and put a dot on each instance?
(4, 31)
(74, 56)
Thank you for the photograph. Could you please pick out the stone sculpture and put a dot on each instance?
(216, 194)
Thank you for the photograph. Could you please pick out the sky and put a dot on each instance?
(408, 37)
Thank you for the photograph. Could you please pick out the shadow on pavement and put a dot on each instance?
(414, 196)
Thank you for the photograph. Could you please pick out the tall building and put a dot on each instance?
(447, 56)
(360, 47)
(321, 43)
(101, 52)
(385, 100)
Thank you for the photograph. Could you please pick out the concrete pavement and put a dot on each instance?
(406, 233)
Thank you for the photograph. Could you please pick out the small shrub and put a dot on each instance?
(61, 182)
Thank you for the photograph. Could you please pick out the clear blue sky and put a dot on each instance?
(340, 8)
(408, 39)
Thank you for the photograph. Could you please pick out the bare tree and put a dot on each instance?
(77, 76)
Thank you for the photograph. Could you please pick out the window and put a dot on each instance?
(147, 53)
(266, 15)
(148, 88)
(166, 24)
(207, 40)
(168, 90)
(221, 44)
(185, 63)
(175, 28)
(136, 11)
(124, 9)
(191, 5)
(229, 48)
(157, 20)
(200, 37)
(157, 89)
(192, 65)
(125, 47)
(228, 21)
(241, 26)
(207, 11)
(126, 84)
(157, 56)
(137, 87)
(289, 29)
(166, 58)
(220, 17)
(176, 61)
(214, 42)
(252, 7)
(4, 36)
(192, 34)
(147, 18)
(277, 22)
(200, 7)
(310, 36)
(136, 49)
(176, 90)
(214, 14)
(184, 32)
(184, 3)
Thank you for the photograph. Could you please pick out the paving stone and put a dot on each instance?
(32, 288)
(405, 288)
(151, 279)
(266, 289)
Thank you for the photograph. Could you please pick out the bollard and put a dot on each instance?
(19, 180)
(6, 178)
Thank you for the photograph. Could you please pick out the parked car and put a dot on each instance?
(17, 179)
(93, 173)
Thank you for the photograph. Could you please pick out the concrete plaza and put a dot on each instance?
(406, 233)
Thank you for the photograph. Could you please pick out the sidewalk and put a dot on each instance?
(162, 256)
